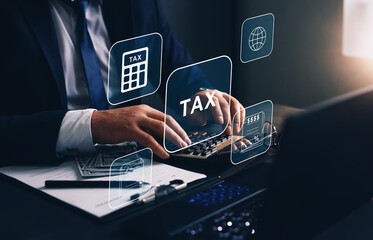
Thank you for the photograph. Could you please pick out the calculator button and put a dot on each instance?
(134, 76)
(142, 78)
(126, 86)
(134, 69)
(126, 79)
(126, 71)
(142, 66)
(133, 84)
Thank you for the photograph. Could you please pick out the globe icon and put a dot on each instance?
(257, 39)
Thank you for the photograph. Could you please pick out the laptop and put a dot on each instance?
(323, 172)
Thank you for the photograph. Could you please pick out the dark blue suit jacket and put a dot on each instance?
(32, 92)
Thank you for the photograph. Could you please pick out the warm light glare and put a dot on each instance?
(358, 28)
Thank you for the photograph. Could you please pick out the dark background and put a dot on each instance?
(306, 65)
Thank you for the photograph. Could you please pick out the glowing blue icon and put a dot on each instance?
(134, 68)
(257, 37)
(130, 177)
(255, 136)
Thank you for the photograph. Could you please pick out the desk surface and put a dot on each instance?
(27, 213)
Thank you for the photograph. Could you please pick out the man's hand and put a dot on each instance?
(139, 123)
(221, 113)
(240, 144)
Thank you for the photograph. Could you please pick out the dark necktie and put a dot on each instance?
(90, 59)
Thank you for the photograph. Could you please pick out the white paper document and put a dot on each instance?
(92, 200)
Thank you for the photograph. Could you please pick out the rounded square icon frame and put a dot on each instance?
(165, 116)
(151, 172)
(160, 69)
(270, 139)
(273, 37)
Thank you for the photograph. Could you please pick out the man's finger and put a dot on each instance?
(243, 115)
(247, 142)
(241, 144)
(224, 106)
(227, 113)
(234, 147)
(170, 121)
(158, 115)
(216, 111)
(154, 113)
(237, 122)
(158, 127)
(148, 141)
(235, 108)
(197, 118)
(211, 101)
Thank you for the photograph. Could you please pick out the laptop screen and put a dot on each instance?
(324, 170)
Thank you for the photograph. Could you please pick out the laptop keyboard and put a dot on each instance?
(227, 209)
(233, 224)
(219, 194)
(239, 222)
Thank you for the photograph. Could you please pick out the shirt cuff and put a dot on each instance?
(75, 136)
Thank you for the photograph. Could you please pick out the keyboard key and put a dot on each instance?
(231, 224)
(126, 86)
(142, 78)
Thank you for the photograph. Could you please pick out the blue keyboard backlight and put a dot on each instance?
(218, 194)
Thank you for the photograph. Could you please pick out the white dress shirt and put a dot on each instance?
(75, 132)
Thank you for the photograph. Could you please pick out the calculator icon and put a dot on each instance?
(134, 69)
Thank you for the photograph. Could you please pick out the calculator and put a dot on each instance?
(134, 69)
(205, 149)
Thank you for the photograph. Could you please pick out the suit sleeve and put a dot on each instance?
(30, 139)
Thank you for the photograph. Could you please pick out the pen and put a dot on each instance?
(93, 184)
(166, 190)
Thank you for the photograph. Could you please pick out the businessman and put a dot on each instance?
(54, 76)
